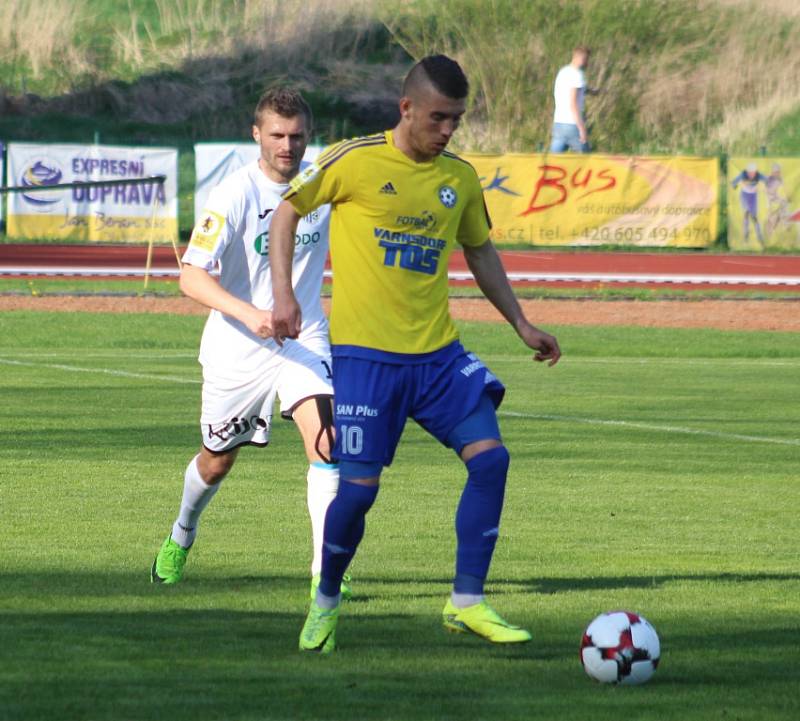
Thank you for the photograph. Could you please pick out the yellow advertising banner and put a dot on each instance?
(763, 203)
(567, 199)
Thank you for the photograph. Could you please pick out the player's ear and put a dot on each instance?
(405, 106)
(256, 134)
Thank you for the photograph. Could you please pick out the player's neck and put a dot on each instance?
(274, 175)
(403, 143)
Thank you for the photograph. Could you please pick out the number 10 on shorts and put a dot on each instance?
(352, 440)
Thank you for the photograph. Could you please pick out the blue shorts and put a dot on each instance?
(375, 392)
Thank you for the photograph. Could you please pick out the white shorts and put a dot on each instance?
(237, 409)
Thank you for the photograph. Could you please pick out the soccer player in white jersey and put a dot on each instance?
(243, 367)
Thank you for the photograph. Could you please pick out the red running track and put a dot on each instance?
(528, 267)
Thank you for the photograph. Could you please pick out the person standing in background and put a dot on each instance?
(569, 125)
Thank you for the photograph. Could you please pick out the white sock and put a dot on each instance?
(463, 600)
(196, 496)
(327, 602)
(323, 482)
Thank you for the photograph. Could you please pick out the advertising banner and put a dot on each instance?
(566, 199)
(214, 161)
(146, 211)
(763, 203)
(2, 178)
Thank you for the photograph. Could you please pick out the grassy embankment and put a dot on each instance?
(707, 76)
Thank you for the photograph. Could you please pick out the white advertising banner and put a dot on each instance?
(214, 161)
(145, 211)
(2, 177)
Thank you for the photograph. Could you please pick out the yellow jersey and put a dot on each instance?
(394, 224)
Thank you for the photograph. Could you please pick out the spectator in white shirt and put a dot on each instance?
(569, 126)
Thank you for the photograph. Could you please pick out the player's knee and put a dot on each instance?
(469, 451)
(319, 436)
(214, 467)
(357, 496)
(489, 467)
(322, 447)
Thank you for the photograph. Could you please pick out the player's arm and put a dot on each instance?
(286, 316)
(200, 285)
(577, 114)
(486, 266)
(328, 179)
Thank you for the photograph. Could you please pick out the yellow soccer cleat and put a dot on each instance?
(319, 630)
(482, 620)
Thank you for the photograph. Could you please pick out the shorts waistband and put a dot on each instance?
(383, 356)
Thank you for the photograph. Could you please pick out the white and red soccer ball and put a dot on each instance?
(620, 647)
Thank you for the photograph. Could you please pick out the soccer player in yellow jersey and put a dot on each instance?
(400, 204)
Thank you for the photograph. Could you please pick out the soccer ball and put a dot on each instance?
(620, 647)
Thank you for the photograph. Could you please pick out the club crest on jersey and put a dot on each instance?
(448, 196)
(261, 243)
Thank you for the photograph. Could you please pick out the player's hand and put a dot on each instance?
(545, 344)
(286, 319)
(259, 322)
(583, 136)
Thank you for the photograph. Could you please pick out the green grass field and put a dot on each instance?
(652, 470)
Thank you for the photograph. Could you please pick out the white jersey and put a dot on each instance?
(568, 79)
(233, 231)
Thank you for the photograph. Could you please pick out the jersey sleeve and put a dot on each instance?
(575, 78)
(215, 228)
(475, 224)
(329, 179)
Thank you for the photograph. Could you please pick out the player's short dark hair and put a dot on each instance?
(284, 101)
(444, 73)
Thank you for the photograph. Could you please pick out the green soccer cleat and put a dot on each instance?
(482, 620)
(345, 589)
(319, 630)
(169, 563)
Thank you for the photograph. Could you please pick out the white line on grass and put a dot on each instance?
(101, 371)
(509, 414)
(790, 362)
(146, 355)
(652, 427)
(499, 358)
(691, 361)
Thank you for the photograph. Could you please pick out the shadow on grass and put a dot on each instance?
(112, 646)
(562, 585)
(217, 663)
(223, 664)
(551, 586)
(124, 583)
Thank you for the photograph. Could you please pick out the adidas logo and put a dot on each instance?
(388, 189)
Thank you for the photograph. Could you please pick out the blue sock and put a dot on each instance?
(478, 518)
(344, 529)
